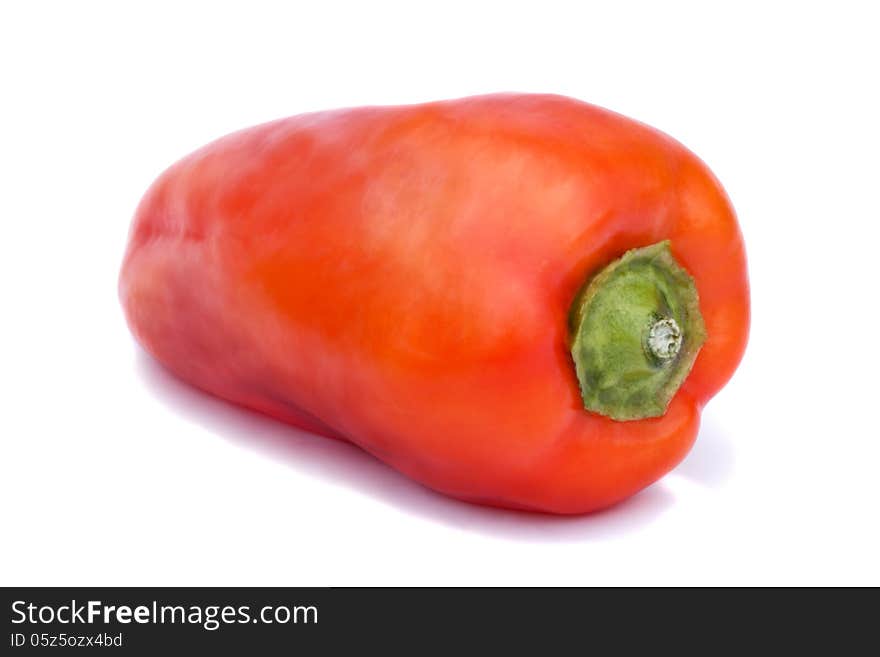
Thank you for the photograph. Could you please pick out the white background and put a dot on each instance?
(113, 473)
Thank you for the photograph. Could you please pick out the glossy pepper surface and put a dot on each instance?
(517, 300)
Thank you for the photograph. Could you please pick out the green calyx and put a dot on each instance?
(636, 330)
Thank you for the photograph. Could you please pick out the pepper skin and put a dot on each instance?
(402, 278)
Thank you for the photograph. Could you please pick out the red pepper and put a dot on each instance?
(517, 300)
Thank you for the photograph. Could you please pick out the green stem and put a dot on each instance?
(636, 331)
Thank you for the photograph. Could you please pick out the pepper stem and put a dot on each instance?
(664, 339)
(636, 330)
